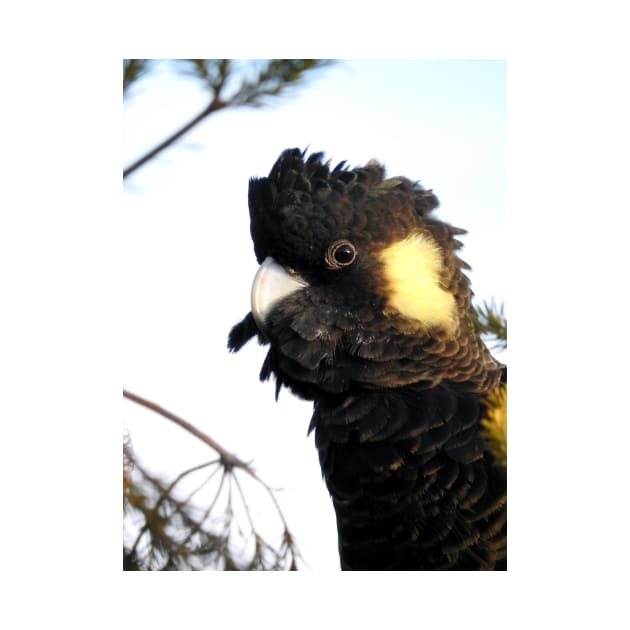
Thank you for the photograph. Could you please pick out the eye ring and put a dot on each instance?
(341, 253)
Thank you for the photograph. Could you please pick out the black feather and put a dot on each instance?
(241, 333)
(397, 406)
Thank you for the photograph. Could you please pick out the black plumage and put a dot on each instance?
(373, 323)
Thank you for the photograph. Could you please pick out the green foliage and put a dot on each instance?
(250, 82)
(491, 322)
(273, 79)
(236, 83)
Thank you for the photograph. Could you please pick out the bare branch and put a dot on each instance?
(226, 457)
(164, 549)
(212, 107)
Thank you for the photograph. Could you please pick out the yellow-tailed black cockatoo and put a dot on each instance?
(367, 312)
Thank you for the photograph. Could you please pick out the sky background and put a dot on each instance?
(188, 259)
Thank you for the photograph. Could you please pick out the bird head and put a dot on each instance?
(359, 285)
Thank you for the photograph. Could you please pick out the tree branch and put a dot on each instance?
(227, 458)
(272, 80)
(214, 106)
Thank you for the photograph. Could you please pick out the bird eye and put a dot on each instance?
(340, 254)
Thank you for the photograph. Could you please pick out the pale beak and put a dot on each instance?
(272, 284)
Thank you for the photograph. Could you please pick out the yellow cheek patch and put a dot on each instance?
(412, 269)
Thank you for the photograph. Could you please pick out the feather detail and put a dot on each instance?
(367, 311)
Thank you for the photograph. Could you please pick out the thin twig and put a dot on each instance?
(197, 527)
(227, 458)
(169, 489)
(214, 106)
(205, 481)
(247, 512)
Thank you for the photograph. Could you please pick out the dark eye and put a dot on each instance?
(340, 254)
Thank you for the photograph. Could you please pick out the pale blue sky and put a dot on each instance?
(189, 261)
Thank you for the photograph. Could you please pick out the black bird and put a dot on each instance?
(367, 312)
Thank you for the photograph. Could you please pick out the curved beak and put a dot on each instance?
(272, 283)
